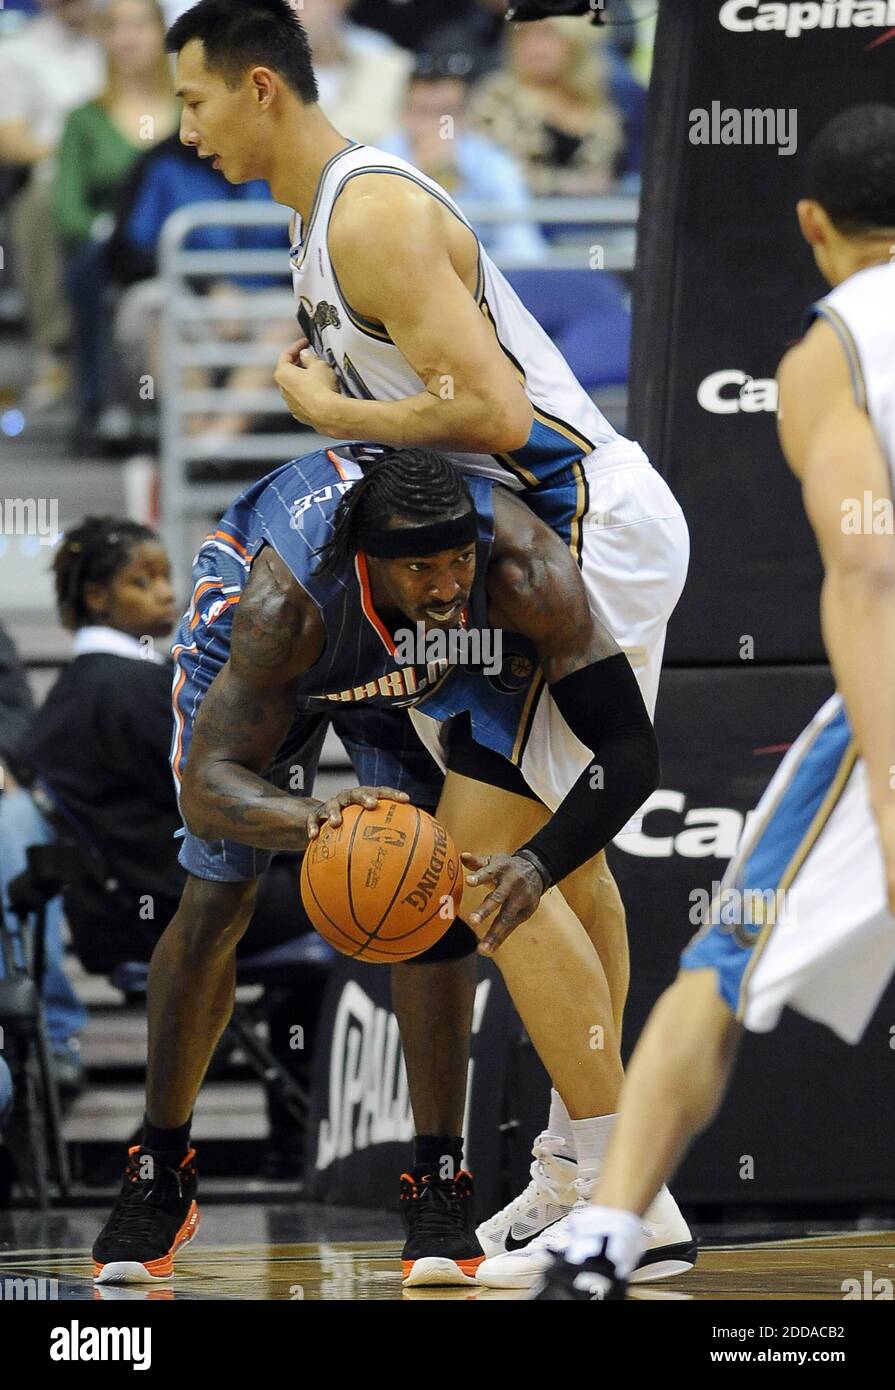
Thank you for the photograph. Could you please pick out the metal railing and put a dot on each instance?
(607, 223)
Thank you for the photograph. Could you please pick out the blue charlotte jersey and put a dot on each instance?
(359, 669)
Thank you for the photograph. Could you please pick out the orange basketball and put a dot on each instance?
(384, 885)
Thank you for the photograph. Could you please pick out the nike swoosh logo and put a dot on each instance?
(511, 1243)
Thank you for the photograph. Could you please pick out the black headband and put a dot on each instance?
(422, 540)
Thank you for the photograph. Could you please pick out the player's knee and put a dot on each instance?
(215, 915)
(694, 1024)
(696, 992)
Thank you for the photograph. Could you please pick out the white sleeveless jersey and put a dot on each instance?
(862, 312)
(567, 425)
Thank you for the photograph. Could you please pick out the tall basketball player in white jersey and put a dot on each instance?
(412, 337)
(822, 842)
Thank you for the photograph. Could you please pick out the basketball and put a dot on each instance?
(384, 885)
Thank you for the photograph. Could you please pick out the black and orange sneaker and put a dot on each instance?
(441, 1246)
(155, 1213)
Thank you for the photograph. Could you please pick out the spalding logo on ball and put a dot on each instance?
(384, 885)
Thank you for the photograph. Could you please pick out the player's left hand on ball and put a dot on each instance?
(306, 382)
(331, 810)
(518, 888)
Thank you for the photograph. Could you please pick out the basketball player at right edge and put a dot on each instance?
(824, 831)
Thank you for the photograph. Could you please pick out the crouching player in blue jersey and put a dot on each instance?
(299, 594)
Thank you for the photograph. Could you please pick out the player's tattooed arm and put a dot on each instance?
(245, 716)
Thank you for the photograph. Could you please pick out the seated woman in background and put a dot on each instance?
(100, 143)
(22, 825)
(97, 753)
(548, 105)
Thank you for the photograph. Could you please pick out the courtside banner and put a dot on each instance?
(723, 280)
(807, 1117)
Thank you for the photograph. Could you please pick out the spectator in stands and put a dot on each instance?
(362, 75)
(469, 166)
(549, 106)
(467, 33)
(174, 9)
(6, 1165)
(21, 825)
(471, 38)
(100, 740)
(98, 751)
(7, 1168)
(100, 143)
(166, 178)
(5, 1095)
(619, 41)
(48, 67)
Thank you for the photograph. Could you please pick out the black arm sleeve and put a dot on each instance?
(602, 705)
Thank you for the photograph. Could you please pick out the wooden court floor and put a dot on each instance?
(262, 1259)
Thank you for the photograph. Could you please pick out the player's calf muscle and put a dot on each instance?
(213, 914)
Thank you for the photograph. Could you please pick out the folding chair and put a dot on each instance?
(277, 966)
(36, 1129)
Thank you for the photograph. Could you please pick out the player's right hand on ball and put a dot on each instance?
(331, 810)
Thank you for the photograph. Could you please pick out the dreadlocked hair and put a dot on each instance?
(415, 484)
(92, 553)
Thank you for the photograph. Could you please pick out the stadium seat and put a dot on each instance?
(586, 314)
(279, 965)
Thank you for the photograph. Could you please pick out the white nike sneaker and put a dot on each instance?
(550, 1195)
(670, 1249)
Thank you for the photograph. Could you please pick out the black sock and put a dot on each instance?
(170, 1144)
(439, 1154)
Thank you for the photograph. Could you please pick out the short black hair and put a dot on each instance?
(240, 34)
(416, 484)
(851, 169)
(92, 553)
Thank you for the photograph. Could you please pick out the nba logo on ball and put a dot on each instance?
(383, 835)
(384, 885)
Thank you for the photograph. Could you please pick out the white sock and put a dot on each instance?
(622, 1231)
(559, 1123)
(591, 1141)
